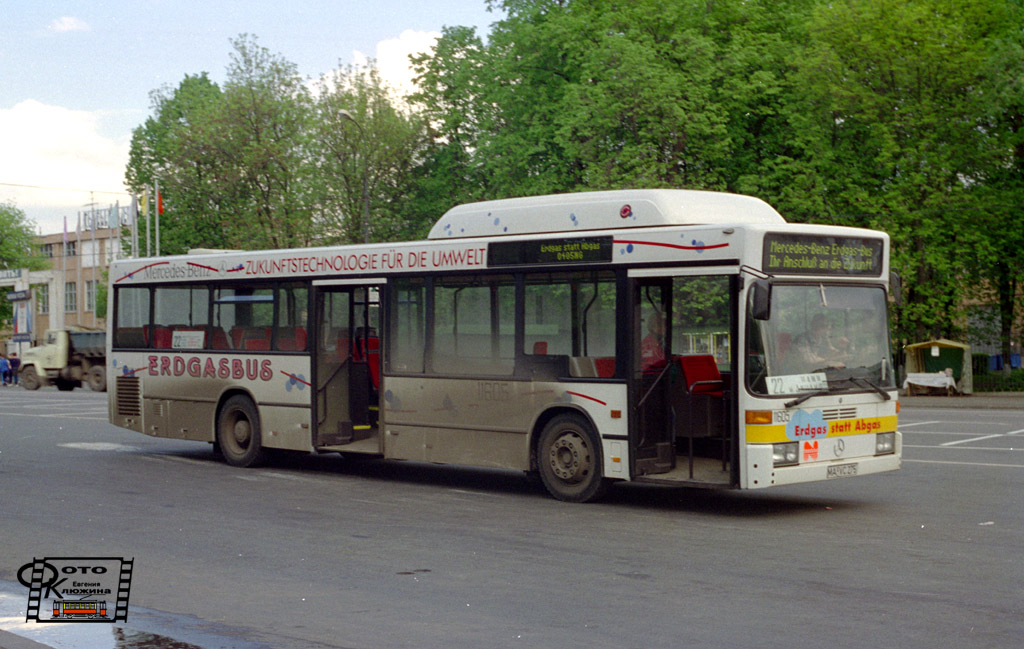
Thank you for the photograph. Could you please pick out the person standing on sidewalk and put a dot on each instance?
(5, 370)
(15, 364)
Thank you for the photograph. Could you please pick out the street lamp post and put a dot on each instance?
(366, 173)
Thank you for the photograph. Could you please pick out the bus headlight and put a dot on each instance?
(785, 454)
(885, 443)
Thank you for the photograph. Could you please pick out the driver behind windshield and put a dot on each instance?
(817, 349)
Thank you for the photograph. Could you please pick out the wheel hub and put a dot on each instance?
(241, 432)
(570, 458)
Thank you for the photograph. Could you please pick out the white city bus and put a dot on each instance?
(661, 336)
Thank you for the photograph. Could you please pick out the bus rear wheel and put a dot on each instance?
(238, 433)
(569, 460)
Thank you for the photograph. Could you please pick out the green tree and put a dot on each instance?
(449, 98)
(892, 90)
(234, 163)
(362, 139)
(17, 235)
(598, 95)
(261, 134)
(173, 146)
(999, 192)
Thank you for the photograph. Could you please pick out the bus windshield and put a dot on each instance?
(820, 337)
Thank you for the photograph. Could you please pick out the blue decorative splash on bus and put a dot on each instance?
(806, 425)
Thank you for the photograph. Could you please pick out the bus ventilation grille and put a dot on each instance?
(128, 401)
(830, 414)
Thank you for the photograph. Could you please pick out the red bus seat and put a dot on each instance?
(220, 339)
(293, 340)
(162, 337)
(701, 375)
(605, 367)
(373, 359)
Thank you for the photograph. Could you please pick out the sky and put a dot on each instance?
(76, 76)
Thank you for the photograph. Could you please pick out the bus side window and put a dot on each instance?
(570, 324)
(132, 319)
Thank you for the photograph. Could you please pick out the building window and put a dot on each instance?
(43, 299)
(70, 248)
(47, 250)
(70, 297)
(90, 295)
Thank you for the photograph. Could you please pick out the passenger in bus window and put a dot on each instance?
(652, 347)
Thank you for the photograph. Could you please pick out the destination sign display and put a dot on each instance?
(550, 251)
(813, 254)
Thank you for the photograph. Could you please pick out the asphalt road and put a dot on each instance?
(331, 552)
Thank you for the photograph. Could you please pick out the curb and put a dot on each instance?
(981, 400)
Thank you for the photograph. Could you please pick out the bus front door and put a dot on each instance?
(347, 365)
(652, 423)
(683, 427)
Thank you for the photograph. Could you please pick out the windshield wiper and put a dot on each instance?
(805, 396)
(872, 385)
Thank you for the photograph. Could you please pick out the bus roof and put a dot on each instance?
(633, 208)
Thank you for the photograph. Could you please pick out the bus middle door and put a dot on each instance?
(347, 364)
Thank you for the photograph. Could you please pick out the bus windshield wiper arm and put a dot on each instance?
(872, 385)
(805, 396)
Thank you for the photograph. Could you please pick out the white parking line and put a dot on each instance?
(986, 464)
(970, 439)
(978, 439)
(50, 416)
(919, 423)
(968, 448)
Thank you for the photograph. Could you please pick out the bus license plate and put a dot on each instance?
(842, 470)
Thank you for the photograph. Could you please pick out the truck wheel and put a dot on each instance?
(238, 433)
(97, 378)
(29, 378)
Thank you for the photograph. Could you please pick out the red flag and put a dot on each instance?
(159, 203)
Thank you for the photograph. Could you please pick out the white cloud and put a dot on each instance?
(61, 158)
(393, 58)
(68, 24)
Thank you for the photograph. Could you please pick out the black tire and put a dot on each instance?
(569, 460)
(97, 378)
(29, 379)
(238, 433)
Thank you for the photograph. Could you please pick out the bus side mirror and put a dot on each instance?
(761, 304)
(896, 287)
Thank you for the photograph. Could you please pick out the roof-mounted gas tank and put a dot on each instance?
(632, 208)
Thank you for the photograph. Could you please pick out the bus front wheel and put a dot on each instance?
(569, 460)
(238, 433)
